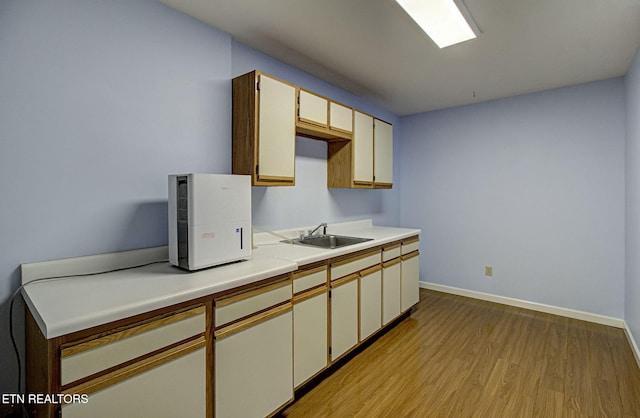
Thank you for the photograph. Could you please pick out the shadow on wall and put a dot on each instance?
(356, 202)
(147, 226)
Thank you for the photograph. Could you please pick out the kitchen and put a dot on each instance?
(102, 100)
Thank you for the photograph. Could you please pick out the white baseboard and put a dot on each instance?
(540, 307)
(632, 343)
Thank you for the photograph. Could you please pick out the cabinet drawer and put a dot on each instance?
(92, 356)
(351, 265)
(340, 117)
(235, 307)
(389, 253)
(306, 280)
(175, 387)
(410, 247)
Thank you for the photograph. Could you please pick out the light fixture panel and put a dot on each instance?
(442, 20)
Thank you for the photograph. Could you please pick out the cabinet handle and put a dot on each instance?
(251, 321)
(109, 379)
(310, 293)
(392, 262)
(410, 255)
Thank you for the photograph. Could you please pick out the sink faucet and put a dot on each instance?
(324, 229)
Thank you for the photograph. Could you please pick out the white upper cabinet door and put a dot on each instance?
(362, 148)
(340, 117)
(313, 108)
(277, 129)
(383, 152)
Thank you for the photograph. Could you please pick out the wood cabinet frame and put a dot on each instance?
(340, 149)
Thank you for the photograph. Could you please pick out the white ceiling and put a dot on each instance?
(374, 50)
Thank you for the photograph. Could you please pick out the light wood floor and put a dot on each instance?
(460, 357)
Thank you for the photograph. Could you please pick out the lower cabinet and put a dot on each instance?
(239, 353)
(370, 301)
(254, 369)
(150, 368)
(310, 337)
(344, 315)
(310, 323)
(253, 351)
(391, 284)
(173, 388)
(410, 280)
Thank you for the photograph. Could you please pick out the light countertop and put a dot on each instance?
(70, 304)
(266, 245)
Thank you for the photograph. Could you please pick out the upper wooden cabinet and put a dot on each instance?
(321, 118)
(268, 113)
(264, 135)
(367, 160)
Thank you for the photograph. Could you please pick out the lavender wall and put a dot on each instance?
(632, 293)
(99, 101)
(531, 185)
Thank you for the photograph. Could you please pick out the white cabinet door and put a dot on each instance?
(277, 129)
(309, 338)
(313, 108)
(410, 280)
(370, 303)
(254, 369)
(344, 318)
(340, 117)
(173, 389)
(383, 152)
(390, 292)
(362, 148)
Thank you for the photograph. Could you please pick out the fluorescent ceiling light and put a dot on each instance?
(442, 20)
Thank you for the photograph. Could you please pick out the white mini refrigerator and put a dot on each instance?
(209, 219)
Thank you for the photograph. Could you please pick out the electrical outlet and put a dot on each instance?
(488, 271)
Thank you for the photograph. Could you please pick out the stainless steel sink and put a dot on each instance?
(328, 241)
